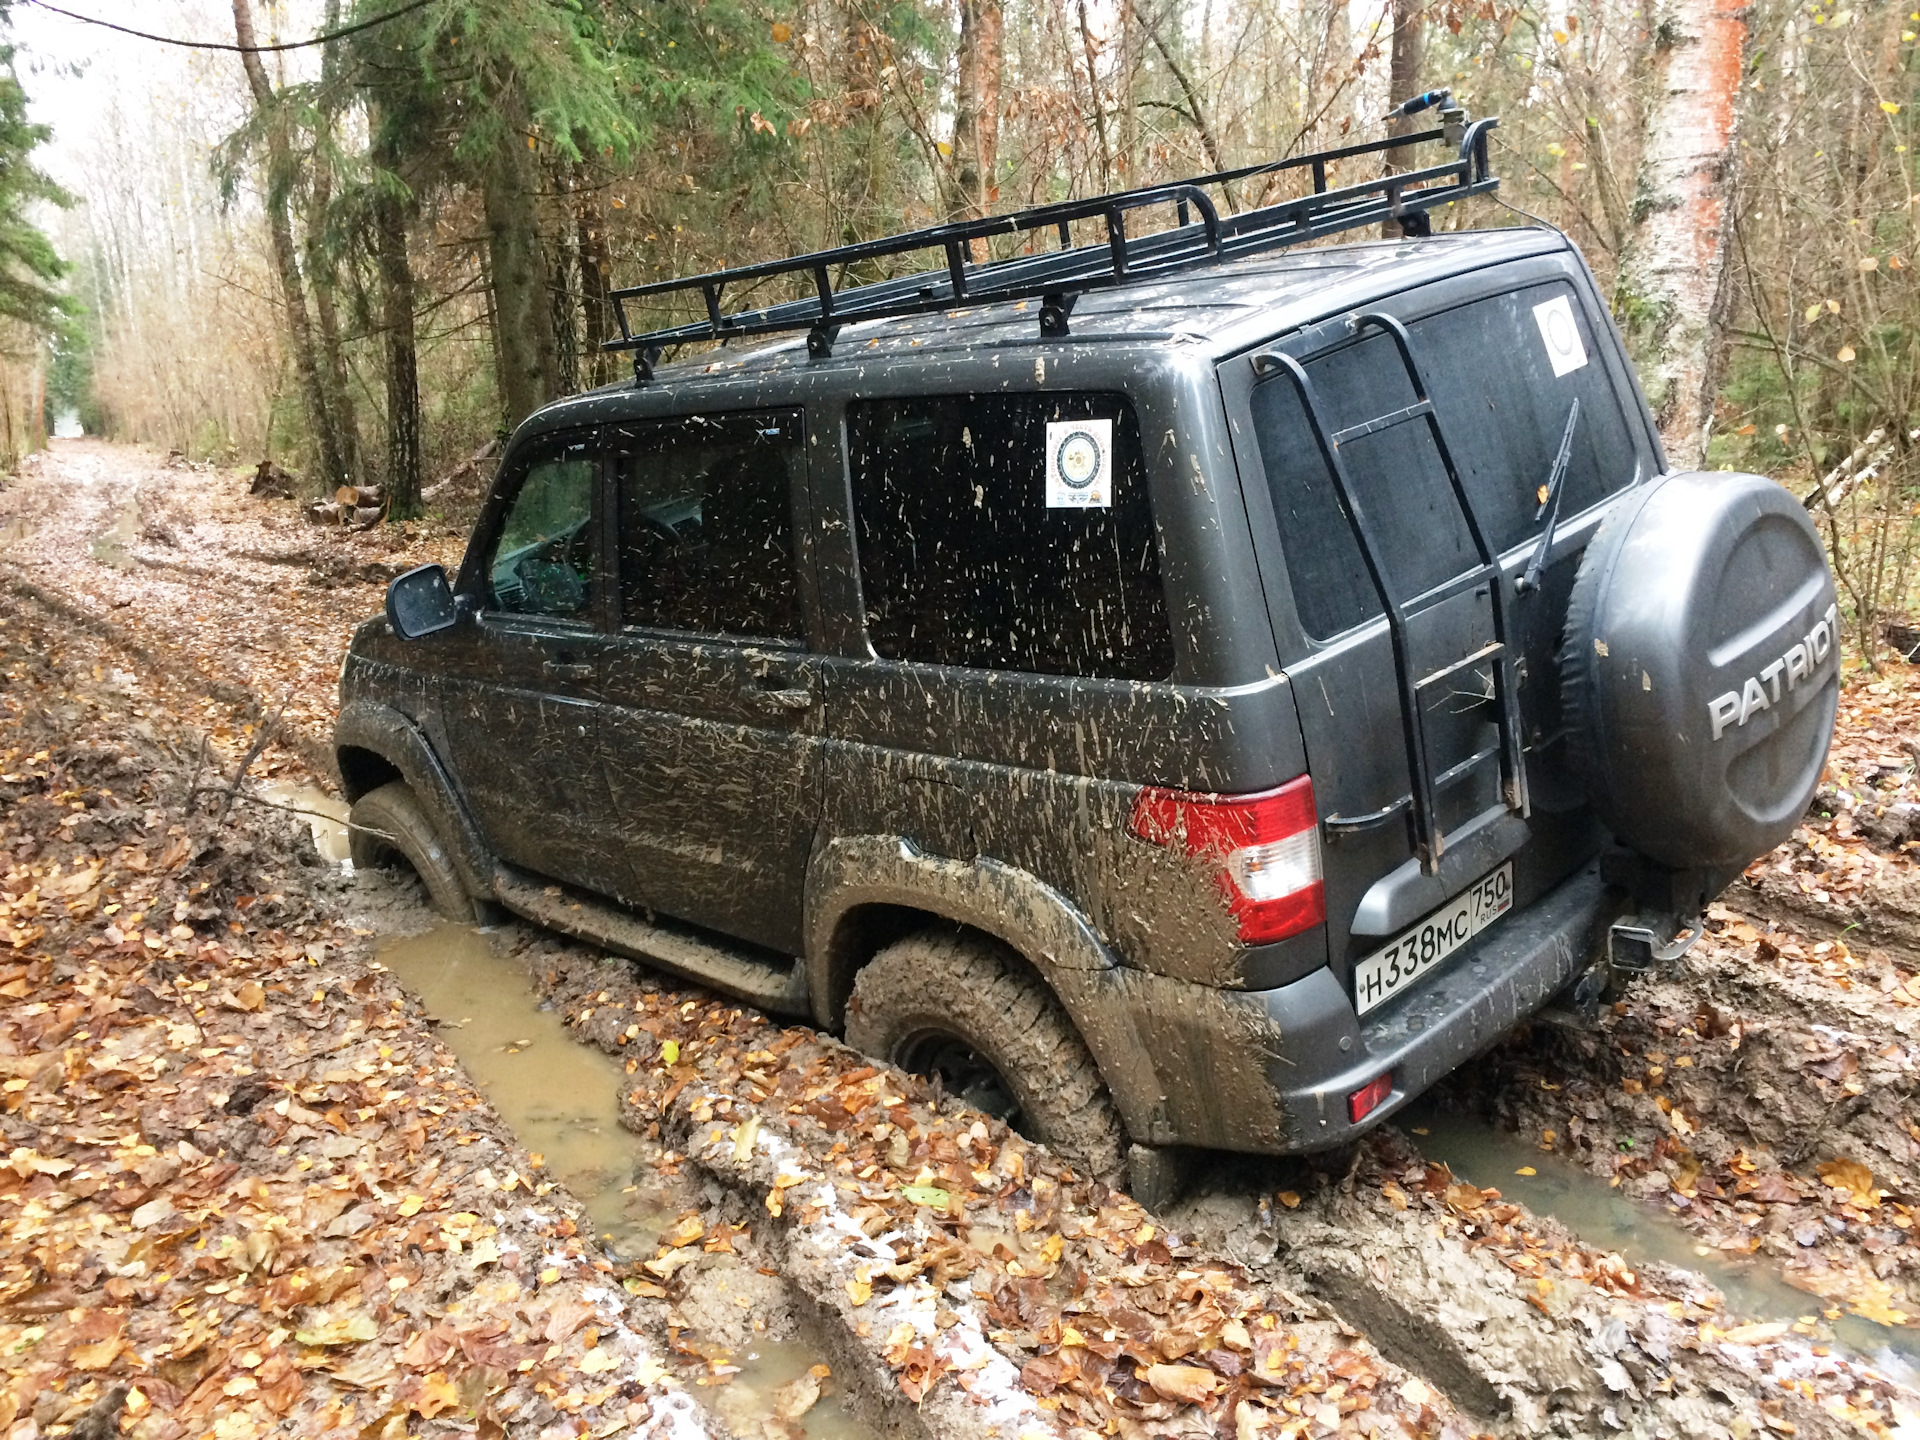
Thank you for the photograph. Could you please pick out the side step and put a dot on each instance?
(767, 984)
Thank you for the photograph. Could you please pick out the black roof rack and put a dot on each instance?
(1201, 236)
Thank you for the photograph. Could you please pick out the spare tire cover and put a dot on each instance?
(1700, 670)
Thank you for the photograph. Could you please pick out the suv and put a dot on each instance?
(1179, 691)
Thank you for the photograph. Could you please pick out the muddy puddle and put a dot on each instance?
(110, 545)
(1607, 1220)
(561, 1100)
(325, 815)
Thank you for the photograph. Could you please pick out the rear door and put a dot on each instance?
(1503, 370)
(712, 713)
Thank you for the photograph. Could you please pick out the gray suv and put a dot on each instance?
(1178, 689)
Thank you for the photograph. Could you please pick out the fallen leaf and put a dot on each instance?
(1756, 1334)
(1853, 1178)
(346, 1329)
(1189, 1383)
(598, 1361)
(796, 1397)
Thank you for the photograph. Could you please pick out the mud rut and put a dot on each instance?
(1759, 1099)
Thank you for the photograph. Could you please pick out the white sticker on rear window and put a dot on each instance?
(1079, 464)
(1562, 335)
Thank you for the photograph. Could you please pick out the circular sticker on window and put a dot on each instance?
(1078, 459)
(1079, 454)
(1561, 336)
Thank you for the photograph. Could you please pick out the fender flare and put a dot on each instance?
(384, 731)
(1036, 921)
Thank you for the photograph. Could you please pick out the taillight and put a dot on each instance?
(1267, 847)
(1364, 1101)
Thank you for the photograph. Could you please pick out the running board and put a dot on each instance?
(764, 983)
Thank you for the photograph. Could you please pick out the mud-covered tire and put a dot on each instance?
(968, 987)
(387, 826)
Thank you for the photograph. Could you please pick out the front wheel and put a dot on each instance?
(962, 1007)
(388, 826)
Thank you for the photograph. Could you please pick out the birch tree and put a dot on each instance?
(1672, 290)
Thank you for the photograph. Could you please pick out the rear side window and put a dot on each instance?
(964, 560)
(1492, 377)
(706, 525)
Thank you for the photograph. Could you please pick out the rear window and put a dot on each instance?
(1492, 377)
(972, 553)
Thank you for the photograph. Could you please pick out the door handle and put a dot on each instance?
(569, 669)
(784, 702)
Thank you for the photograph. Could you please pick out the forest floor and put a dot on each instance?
(255, 1183)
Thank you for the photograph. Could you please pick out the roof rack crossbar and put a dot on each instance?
(1054, 275)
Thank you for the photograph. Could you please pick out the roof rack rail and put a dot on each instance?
(1201, 236)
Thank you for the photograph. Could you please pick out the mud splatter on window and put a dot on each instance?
(964, 563)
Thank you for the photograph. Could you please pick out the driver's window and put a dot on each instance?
(542, 564)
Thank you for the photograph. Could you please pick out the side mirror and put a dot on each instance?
(421, 602)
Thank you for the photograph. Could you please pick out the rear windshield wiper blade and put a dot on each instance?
(1550, 504)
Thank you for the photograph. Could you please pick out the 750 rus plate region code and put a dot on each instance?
(1388, 971)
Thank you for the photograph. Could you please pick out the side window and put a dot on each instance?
(1505, 402)
(969, 555)
(706, 525)
(543, 561)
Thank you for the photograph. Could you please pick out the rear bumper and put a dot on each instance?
(1326, 1053)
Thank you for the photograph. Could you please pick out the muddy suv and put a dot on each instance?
(1178, 690)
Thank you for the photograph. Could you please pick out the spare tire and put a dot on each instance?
(1700, 669)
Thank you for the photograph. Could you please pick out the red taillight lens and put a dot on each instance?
(1267, 847)
(1364, 1101)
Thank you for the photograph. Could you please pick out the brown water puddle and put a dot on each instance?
(325, 815)
(1607, 1220)
(561, 1100)
(110, 546)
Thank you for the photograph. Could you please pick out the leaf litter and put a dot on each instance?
(243, 1188)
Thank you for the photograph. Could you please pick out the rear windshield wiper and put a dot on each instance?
(1550, 505)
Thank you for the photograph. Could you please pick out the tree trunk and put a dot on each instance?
(522, 316)
(976, 115)
(1406, 60)
(280, 173)
(396, 323)
(1407, 63)
(1190, 92)
(596, 269)
(323, 275)
(1098, 106)
(1671, 291)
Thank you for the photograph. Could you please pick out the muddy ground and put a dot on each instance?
(774, 1192)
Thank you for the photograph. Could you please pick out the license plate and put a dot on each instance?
(1385, 973)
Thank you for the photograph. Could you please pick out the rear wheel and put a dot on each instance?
(962, 1007)
(389, 827)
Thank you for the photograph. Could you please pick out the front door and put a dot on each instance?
(520, 697)
(712, 715)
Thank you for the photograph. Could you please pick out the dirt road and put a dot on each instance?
(1749, 1115)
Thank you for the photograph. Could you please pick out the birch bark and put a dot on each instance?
(1672, 291)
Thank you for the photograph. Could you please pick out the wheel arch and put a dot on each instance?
(864, 892)
(375, 744)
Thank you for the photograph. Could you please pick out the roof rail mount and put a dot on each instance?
(1201, 237)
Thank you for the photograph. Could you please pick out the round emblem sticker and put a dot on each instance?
(1078, 460)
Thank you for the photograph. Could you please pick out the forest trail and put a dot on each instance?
(954, 1280)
